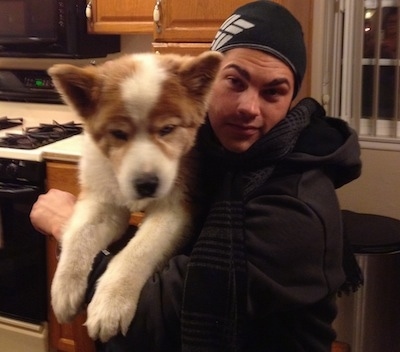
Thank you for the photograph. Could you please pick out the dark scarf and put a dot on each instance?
(214, 299)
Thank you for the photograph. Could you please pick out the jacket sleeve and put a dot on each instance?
(294, 245)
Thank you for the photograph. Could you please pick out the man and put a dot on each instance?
(266, 265)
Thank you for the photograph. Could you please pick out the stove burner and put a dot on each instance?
(35, 137)
(6, 122)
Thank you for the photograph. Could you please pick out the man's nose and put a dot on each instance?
(249, 103)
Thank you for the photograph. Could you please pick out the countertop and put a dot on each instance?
(68, 149)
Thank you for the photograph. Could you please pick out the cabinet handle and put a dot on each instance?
(157, 15)
(88, 11)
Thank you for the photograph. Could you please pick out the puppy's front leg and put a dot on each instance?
(92, 227)
(114, 303)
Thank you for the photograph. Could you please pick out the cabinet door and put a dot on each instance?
(192, 21)
(121, 16)
(71, 337)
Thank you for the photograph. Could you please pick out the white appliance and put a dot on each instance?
(23, 282)
(20, 336)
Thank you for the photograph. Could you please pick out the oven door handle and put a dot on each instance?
(15, 193)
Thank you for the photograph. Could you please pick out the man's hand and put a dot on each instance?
(52, 211)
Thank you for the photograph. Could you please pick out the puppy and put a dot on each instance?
(141, 114)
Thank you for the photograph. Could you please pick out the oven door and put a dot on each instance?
(23, 292)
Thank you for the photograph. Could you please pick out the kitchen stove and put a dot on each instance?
(47, 128)
(38, 136)
(23, 279)
(6, 122)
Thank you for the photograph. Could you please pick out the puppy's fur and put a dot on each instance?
(141, 115)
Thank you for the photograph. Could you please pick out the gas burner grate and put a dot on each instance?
(38, 136)
(7, 122)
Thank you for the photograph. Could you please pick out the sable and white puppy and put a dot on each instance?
(141, 115)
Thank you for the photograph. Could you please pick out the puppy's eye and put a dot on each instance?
(166, 130)
(119, 134)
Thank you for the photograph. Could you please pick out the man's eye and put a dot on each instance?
(166, 130)
(272, 91)
(275, 93)
(119, 134)
(235, 82)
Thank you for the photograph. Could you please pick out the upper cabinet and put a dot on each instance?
(120, 16)
(190, 21)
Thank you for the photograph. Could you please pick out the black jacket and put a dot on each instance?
(294, 244)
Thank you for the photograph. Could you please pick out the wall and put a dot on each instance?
(139, 43)
(378, 189)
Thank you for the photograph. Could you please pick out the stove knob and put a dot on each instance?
(11, 170)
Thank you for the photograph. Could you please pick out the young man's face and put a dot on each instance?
(252, 93)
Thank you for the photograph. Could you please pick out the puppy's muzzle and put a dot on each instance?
(146, 185)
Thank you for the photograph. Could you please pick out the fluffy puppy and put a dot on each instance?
(141, 114)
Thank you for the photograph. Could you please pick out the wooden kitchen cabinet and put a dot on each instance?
(64, 337)
(192, 21)
(121, 16)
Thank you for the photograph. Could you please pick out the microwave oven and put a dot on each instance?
(50, 28)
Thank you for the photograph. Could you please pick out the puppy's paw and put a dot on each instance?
(67, 295)
(112, 308)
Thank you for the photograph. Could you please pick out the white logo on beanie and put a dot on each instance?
(233, 25)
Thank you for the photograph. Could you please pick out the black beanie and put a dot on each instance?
(267, 26)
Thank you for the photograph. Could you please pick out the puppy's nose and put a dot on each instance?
(146, 185)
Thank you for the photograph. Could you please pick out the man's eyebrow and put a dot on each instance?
(278, 81)
(246, 75)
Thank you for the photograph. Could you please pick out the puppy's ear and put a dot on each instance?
(199, 73)
(79, 87)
